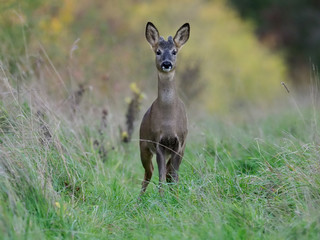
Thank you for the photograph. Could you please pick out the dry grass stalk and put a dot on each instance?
(99, 144)
(132, 113)
(76, 98)
(190, 88)
(45, 135)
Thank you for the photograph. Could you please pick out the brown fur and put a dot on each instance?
(163, 129)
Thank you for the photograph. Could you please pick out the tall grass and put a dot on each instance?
(257, 180)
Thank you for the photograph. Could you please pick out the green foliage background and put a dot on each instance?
(289, 25)
(102, 44)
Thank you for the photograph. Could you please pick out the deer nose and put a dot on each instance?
(166, 66)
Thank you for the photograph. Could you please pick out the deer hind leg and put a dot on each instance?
(173, 165)
(169, 171)
(146, 159)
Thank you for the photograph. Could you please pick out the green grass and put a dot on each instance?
(256, 180)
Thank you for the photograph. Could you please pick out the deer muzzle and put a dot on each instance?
(166, 66)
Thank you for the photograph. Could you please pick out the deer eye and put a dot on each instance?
(174, 52)
(158, 52)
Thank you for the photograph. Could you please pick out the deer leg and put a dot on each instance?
(161, 161)
(176, 161)
(175, 164)
(146, 159)
(169, 170)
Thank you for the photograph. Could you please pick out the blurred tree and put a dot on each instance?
(292, 25)
(222, 53)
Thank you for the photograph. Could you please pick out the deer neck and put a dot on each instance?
(167, 94)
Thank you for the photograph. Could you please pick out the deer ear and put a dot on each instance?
(182, 35)
(152, 34)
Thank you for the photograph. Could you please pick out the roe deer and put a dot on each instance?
(163, 129)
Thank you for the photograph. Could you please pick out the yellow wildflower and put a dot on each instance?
(134, 88)
(57, 204)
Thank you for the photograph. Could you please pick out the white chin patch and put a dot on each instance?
(166, 69)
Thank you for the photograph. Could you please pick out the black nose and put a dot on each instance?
(166, 65)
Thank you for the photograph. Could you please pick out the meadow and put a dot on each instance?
(69, 167)
(254, 179)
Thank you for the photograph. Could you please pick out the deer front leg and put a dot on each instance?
(161, 161)
(146, 159)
